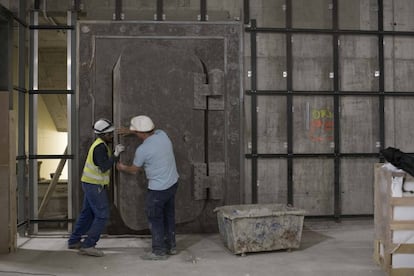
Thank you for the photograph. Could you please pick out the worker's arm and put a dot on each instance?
(128, 169)
(101, 158)
(124, 131)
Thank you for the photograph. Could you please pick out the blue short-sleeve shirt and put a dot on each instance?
(156, 156)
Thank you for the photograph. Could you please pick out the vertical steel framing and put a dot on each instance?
(336, 93)
(246, 11)
(34, 90)
(6, 78)
(289, 102)
(381, 87)
(76, 5)
(253, 61)
(160, 10)
(37, 4)
(21, 140)
(73, 164)
(337, 127)
(203, 10)
(118, 10)
(33, 85)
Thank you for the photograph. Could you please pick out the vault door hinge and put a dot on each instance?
(209, 93)
(208, 186)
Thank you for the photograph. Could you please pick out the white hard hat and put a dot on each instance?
(103, 126)
(141, 123)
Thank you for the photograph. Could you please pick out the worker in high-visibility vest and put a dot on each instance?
(95, 181)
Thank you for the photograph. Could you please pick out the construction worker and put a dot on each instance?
(155, 155)
(95, 181)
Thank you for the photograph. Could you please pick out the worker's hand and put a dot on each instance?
(118, 149)
(128, 169)
(119, 166)
(124, 131)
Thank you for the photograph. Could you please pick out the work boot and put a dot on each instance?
(75, 245)
(91, 251)
(172, 251)
(154, 257)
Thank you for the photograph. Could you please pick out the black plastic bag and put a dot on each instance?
(399, 159)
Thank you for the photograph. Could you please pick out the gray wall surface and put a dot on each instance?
(313, 179)
(304, 144)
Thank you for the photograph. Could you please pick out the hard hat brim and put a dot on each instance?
(110, 129)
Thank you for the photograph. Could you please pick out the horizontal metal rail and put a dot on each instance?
(52, 91)
(328, 93)
(52, 156)
(51, 220)
(328, 31)
(333, 217)
(312, 155)
(52, 27)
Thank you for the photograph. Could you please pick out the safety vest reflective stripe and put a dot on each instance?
(104, 178)
(91, 173)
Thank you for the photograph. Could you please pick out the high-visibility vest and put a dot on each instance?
(91, 173)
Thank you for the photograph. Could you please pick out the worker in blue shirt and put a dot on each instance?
(155, 156)
(95, 180)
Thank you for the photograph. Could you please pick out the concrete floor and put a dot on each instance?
(327, 249)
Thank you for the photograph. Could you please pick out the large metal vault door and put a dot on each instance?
(186, 77)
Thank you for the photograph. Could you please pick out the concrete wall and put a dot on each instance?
(313, 178)
(312, 71)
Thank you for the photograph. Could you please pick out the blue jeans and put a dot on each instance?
(93, 217)
(160, 209)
